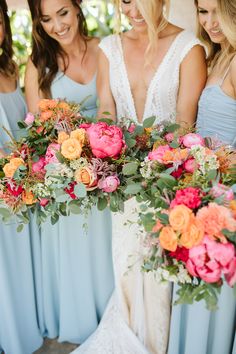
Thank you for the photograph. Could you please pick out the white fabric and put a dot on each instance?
(162, 92)
(138, 313)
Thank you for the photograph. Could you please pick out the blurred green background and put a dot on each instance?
(100, 19)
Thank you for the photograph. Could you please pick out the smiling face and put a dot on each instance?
(208, 19)
(131, 11)
(59, 20)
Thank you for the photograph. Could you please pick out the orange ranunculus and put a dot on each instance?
(62, 136)
(71, 149)
(180, 217)
(214, 219)
(193, 235)
(63, 105)
(45, 115)
(28, 198)
(46, 104)
(10, 168)
(80, 135)
(168, 239)
(175, 155)
(86, 176)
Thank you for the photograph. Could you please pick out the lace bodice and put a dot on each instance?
(162, 92)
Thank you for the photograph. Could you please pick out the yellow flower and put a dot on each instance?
(10, 168)
(80, 135)
(62, 136)
(71, 149)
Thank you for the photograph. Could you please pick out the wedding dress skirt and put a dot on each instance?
(138, 313)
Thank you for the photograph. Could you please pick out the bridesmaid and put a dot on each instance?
(77, 273)
(194, 329)
(19, 332)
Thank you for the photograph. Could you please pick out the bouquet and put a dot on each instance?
(191, 237)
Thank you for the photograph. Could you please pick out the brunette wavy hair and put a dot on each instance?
(46, 50)
(7, 64)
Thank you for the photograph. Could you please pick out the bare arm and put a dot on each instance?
(106, 100)
(32, 93)
(233, 75)
(193, 75)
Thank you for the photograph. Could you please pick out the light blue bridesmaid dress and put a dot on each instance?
(19, 332)
(77, 272)
(194, 329)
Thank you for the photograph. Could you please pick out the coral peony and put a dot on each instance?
(190, 197)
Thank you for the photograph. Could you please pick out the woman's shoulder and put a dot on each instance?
(232, 72)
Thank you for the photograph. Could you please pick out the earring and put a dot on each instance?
(1, 51)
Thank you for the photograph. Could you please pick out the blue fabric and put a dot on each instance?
(77, 272)
(194, 329)
(19, 332)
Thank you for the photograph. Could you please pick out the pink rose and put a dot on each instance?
(50, 156)
(109, 184)
(230, 273)
(192, 139)
(189, 197)
(29, 119)
(158, 153)
(132, 128)
(190, 165)
(105, 140)
(39, 165)
(85, 126)
(220, 190)
(43, 202)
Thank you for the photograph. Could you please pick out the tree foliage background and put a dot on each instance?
(100, 19)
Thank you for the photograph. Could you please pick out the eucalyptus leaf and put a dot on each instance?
(130, 168)
(133, 188)
(5, 213)
(148, 122)
(102, 203)
(80, 190)
(20, 227)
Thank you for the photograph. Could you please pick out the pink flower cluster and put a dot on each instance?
(211, 260)
(190, 197)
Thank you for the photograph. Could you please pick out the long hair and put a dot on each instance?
(213, 49)
(7, 65)
(227, 18)
(46, 50)
(153, 13)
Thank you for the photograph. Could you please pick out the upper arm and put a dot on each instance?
(105, 97)
(32, 93)
(193, 75)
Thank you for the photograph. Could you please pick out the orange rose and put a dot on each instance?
(10, 168)
(28, 198)
(46, 104)
(71, 149)
(175, 155)
(62, 136)
(80, 135)
(86, 176)
(168, 239)
(45, 115)
(180, 217)
(63, 105)
(193, 235)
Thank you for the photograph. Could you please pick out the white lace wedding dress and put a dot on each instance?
(136, 320)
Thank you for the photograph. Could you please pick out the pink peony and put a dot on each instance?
(105, 140)
(192, 139)
(39, 165)
(50, 156)
(29, 119)
(190, 197)
(190, 165)
(158, 153)
(109, 184)
(230, 272)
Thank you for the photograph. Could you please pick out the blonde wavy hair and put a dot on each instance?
(154, 13)
(220, 57)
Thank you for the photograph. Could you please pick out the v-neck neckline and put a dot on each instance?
(155, 76)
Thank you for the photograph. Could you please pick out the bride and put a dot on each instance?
(154, 69)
